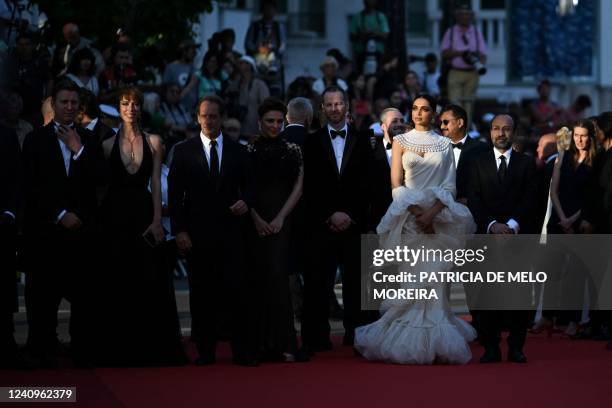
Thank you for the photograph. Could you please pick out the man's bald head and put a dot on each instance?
(547, 146)
(502, 132)
(504, 119)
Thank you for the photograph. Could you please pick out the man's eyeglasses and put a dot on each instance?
(446, 121)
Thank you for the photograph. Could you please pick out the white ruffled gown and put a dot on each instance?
(421, 331)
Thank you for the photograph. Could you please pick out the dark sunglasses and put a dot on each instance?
(446, 121)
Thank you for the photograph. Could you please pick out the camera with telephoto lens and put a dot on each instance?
(473, 59)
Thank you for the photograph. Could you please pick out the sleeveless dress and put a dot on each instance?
(138, 316)
(421, 331)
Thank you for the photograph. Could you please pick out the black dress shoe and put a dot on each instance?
(491, 356)
(15, 361)
(348, 340)
(204, 360)
(516, 356)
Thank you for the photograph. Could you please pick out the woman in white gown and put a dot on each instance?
(423, 181)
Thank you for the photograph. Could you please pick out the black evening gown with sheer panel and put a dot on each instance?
(137, 320)
(276, 166)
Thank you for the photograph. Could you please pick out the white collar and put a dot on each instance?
(344, 128)
(57, 124)
(91, 125)
(294, 124)
(507, 154)
(461, 141)
(206, 140)
(385, 140)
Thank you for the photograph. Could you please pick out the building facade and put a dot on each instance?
(568, 32)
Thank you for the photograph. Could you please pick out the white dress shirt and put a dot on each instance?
(219, 147)
(92, 124)
(388, 152)
(507, 154)
(68, 157)
(338, 144)
(457, 151)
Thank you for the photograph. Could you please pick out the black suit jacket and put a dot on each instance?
(49, 190)
(598, 207)
(490, 200)
(102, 132)
(471, 148)
(328, 190)
(380, 184)
(295, 134)
(9, 170)
(198, 205)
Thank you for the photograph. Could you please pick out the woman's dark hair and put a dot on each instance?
(132, 94)
(75, 63)
(604, 122)
(574, 153)
(207, 57)
(88, 104)
(268, 3)
(430, 99)
(269, 105)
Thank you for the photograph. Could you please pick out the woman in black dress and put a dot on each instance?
(277, 166)
(138, 319)
(570, 178)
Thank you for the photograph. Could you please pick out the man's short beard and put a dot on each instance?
(503, 145)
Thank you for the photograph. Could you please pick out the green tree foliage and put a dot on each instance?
(149, 23)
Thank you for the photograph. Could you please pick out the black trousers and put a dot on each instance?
(492, 322)
(8, 287)
(329, 252)
(60, 267)
(219, 299)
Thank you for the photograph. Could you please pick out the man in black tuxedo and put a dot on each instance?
(208, 179)
(9, 171)
(500, 191)
(61, 165)
(90, 116)
(392, 124)
(453, 124)
(336, 172)
(299, 117)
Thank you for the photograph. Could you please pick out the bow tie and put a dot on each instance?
(458, 145)
(334, 134)
(388, 146)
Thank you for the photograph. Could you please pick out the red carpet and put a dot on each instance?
(560, 373)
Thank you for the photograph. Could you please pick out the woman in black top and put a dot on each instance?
(570, 178)
(277, 172)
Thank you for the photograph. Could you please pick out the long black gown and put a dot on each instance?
(573, 182)
(276, 166)
(138, 316)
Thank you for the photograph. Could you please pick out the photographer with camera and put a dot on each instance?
(368, 31)
(465, 53)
